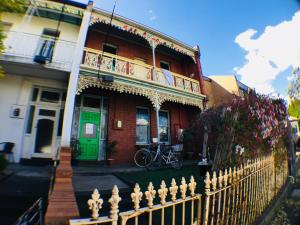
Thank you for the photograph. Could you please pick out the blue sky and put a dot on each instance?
(232, 34)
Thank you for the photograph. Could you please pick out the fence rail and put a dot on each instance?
(34, 215)
(234, 196)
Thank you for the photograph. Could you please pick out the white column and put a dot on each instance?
(157, 108)
(157, 105)
(153, 58)
(72, 86)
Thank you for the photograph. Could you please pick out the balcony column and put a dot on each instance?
(157, 105)
(72, 86)
(62, 204)
(153, 46)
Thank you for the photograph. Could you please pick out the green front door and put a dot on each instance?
(89, 135)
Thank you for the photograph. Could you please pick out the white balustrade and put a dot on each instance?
(142, 71)
(26, 46)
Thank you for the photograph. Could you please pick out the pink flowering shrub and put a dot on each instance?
(256, 124)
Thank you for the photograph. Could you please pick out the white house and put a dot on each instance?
(39, 52)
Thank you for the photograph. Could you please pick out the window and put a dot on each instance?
(164, 65)
(164, 126)
(30, 119)
(50, 96)
(47, 42)
(110, 49)
(60, 122)
(91, 102)
(142, 126)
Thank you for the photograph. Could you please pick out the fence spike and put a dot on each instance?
(234, 175)
(173, 190)
(230, 176)
(220, 179)
(162, 192)
(136, 196)
(150, 195)
(225, 178)
(183, 188)
(214, 181)
(207, 182)
(95, 204)
(192, 186)
(114, 203)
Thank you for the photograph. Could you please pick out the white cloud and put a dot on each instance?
(152, 15)
(274, 51)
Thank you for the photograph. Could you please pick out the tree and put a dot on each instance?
(294, 85)
(15, 6)
(294, 108)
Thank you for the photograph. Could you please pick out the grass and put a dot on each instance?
(144, 177)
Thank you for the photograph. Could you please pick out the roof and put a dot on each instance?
(146, 28)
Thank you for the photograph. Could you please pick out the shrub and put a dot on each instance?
(3, 162)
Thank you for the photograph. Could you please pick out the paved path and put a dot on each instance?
(101, 182)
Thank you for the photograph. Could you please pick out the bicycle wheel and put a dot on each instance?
(176, 161)
(142, 157)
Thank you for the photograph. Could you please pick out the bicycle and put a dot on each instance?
(152, 157)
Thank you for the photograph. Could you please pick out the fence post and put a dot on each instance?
(114, 205)
(207, 182)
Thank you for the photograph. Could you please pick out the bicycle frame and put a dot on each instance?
(166, 158)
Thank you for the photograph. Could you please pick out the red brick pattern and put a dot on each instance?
(130, 50)
(62, 204)
(123, 107)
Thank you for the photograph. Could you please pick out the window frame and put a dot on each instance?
(168, 127)
(148, 126)
(165, 62)
(111, 46)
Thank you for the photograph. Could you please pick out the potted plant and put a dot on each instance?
(75, 151)
(110, 150)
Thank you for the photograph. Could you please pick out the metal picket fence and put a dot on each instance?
(233, 196)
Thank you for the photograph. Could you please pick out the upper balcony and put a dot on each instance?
(134, 69)
(139, 60)
(31, 48)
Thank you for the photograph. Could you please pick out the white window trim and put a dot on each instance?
(149, 126)
(169, 127)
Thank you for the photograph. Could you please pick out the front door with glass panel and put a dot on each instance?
(92, 128)
(44, 121)
(89, 135)
(45, 125)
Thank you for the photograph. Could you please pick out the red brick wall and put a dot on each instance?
(123, 107)
(131, 50)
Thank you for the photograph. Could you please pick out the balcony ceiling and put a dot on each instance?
(127, 36)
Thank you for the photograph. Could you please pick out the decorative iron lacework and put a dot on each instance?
(152, 39)
(156, 97)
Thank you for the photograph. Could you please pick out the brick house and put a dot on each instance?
(144, 78)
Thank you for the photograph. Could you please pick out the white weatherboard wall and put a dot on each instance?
(17, 90)
(68, 32)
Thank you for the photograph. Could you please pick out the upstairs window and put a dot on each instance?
(112, 49)
(47, 42)
(165, 65)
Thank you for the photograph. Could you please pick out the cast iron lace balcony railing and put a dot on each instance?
(24, 46)
(119, 65)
